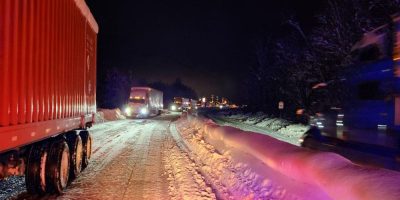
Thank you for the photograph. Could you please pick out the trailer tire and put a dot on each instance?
(76, 154)
(35, 172)
(58, 164)
(87, 148)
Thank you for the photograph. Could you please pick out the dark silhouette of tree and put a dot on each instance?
(289, 63)
(116, 88)
(176, 89)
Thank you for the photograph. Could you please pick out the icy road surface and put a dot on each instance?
(136, 159)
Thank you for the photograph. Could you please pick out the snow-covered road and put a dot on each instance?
(136, 159)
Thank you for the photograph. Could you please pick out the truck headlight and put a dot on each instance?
(128, 110)
(173, 107)
(144, 111)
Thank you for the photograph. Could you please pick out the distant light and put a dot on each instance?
(220, 107)
(173, 107)
(339, 124)
(128, 110)
(382, 127)
(204, 99)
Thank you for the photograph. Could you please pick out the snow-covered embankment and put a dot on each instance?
(260, 122)
(104, 115)
(243, 165)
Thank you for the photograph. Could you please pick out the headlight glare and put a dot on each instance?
(173, 107)
(144, 111)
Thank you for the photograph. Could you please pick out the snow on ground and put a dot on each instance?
(132, 159)
(262, 123)
(192, 158)
(246, 165)
(185, 180)
(104, 115)
(235, 174)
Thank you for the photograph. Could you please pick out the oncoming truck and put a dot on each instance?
(144, 102)
(47, 91)
(180, 104)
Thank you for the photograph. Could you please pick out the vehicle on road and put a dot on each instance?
(180, 104)
(144, 102)
(47, 91)
(366, 114)
(193, 104)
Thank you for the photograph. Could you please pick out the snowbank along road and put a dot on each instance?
(132, 159)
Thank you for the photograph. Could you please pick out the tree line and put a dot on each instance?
(113, 88)
(290, 61)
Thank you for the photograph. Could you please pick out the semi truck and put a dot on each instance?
(47, 91)
(180, 104)
(366, 118)
(193, 104)
(144, 102)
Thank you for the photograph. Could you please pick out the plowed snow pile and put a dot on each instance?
(238, 175)
(248, 165)
(104, 115)
(262, 123)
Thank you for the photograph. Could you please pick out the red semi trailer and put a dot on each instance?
(47, 90)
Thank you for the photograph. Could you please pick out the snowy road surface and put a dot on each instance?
(133, 159)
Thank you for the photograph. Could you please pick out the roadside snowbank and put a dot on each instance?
(235, 174)
(279, 128)
(255, 166)
(104, 115)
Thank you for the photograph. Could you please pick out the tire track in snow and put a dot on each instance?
(105, 178)
(186, 180)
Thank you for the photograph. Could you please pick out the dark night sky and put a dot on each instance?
(208, 43)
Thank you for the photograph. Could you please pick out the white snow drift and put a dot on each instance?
(246, 165)
(262, 123)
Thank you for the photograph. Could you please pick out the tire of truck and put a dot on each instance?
(35, 172)
(58, 164)
(76, 154)
(87, 147)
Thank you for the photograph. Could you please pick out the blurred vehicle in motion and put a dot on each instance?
(144, 102)
(193, 104)
(180, 104)
(361, 110)
(47, 91)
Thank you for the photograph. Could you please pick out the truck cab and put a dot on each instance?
(144, 102)
(180, 104)
(366, 110)
(361, 110)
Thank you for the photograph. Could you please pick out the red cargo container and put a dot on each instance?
(47, 71)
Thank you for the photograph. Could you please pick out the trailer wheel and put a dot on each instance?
(58, 164)
(87, 148)
(76, 154)
(35, 172)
